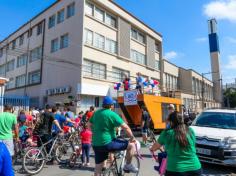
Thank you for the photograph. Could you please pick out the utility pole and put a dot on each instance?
(203, 103)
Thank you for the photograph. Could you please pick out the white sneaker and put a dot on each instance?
(130, 168)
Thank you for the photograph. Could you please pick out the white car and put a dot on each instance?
(216, 136)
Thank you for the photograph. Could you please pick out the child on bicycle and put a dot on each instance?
(86, 138)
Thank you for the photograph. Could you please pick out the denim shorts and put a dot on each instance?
(102, 152)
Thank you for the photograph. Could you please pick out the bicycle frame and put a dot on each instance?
(43, 148)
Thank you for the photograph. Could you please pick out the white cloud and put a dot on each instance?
(231, 63)
(231, 40)
(171, 55)
(201, 39)
(222, 10)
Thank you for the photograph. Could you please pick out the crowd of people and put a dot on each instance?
(99, 132)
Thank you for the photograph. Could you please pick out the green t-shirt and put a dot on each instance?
(104, 123)
(7, 121)
(179, 159)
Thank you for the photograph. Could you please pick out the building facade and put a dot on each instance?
(79, 49)
(195, 91)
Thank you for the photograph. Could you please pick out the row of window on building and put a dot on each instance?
(170, 82)
(197, 89)
(21, 80)
(59, 17)
(13, 45)
(98, 70)
(99, 41)
(35, 54)
(101, 15)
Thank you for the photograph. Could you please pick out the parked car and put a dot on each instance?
(216, 136)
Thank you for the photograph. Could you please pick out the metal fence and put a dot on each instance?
(18, 102)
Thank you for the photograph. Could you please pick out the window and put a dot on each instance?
(20, 80)
(94, 69)
(51, 21)
(64, 43)
(34, 77)
(1, 52)
(89, 8)
(21, 42)
(39, 28)
(137, 35)
(36, 54)
(99, 14)
(110, 20)
(13, 44)
(70, 10)
(138, 57)
(30, 32)
(54, 45)
(118, 74)
(60, 16)
(88, 37)
(157, 64)
(141, 38)
(111, 46)
(134, 34)
(99, 41)
(157, 49)
(10, 65)
(2, 69)
(21, 60)
(10, 84)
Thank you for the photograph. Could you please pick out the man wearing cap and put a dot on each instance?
(104, 123)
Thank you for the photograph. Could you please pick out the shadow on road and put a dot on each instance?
(217, 170)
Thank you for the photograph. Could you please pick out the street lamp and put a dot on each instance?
(203, 87)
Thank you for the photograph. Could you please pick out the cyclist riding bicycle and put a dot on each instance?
(104, 123)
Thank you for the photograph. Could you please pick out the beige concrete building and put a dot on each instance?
(187, 85)
(78, 48)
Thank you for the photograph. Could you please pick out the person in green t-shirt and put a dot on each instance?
(179, 142)
(104, 123)
(8, 122)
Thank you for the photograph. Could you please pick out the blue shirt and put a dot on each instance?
(61, 120)
(5, 161)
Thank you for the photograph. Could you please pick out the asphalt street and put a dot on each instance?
(146, 168)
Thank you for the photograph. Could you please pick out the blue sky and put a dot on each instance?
(183, 25)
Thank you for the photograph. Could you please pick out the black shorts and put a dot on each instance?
(189, 173)
(102, 152)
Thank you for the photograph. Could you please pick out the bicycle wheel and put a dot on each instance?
(136, 163)
(33, 161)
(73, 159)
(62, 153)
(110, 172)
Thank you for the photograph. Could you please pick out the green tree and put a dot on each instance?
(230, 97)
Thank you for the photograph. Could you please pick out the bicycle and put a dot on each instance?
(35, 158)
(115, 170)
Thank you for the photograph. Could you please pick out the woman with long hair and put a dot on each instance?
(179, 143)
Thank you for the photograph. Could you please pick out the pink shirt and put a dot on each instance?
(86, 136)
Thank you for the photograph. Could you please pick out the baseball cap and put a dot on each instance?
(171, 106)
(22, 118)
(107, 100)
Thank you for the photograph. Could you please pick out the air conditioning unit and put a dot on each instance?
(67, 89)
(57, 90)
(61, 90)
